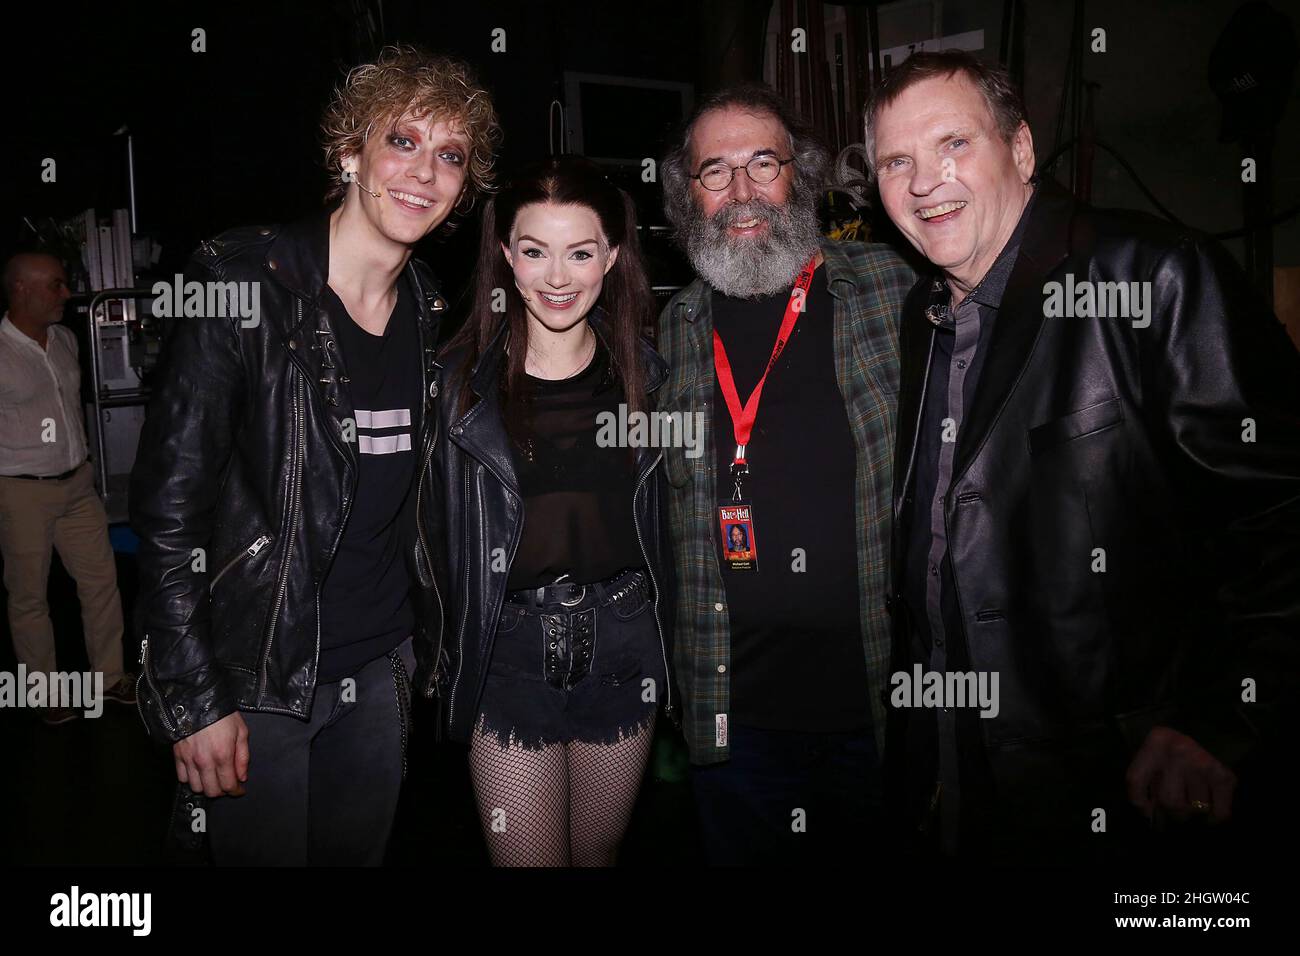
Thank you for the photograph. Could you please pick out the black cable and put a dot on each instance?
(1076, 92)
(1004, 47)
(762, 60)
(1066, 82)
(1151, 198)
(1160, 207)
(1277, 220)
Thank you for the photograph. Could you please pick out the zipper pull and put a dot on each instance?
(144, 646)
(259, 544)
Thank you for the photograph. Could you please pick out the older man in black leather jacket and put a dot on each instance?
(281, 489)
(1097, 545)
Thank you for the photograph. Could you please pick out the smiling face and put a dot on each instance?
(749, 239)
(735, 137)
(949, 181)
(560, 256)
(418, 168)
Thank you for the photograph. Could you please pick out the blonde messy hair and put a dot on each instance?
(406, 81)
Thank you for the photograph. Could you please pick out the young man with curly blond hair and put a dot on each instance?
(282, 485)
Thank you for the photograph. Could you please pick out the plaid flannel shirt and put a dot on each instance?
(868, 282)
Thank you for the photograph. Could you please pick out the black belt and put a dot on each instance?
(570, 595)
(67, 474)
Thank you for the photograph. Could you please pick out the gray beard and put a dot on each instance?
(753, 268)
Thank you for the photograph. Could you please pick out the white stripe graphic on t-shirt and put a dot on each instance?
(387, 418)
(384, 444)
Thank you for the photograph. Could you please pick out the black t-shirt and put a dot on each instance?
(365, 606)
(578, 517)
(797, 661)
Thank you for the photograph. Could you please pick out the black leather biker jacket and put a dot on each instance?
(244, 479)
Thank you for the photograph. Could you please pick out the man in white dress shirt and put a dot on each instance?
(47, 493)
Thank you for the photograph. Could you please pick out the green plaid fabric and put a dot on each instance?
(868, 282)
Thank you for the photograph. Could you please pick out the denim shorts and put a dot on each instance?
(590, 671)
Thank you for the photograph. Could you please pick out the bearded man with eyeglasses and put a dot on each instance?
(786, 343)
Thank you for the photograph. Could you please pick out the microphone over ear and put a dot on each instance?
(351, 176)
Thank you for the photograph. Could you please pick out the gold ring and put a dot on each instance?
(1200, 806)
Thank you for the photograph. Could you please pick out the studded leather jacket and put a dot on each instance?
(482, 510)
(246, 472)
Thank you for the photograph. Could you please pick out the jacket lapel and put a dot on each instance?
(431, 309)
(298, 259)
(915, 347)
(480, 432)
(1019, 321)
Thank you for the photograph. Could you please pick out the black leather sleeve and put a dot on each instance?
(184, 451)
(1224, 380)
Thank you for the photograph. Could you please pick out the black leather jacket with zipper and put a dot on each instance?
(246, 472)
(482, 509)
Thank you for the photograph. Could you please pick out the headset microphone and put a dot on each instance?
(351, 176)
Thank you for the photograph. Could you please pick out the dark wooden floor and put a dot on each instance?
(98, 792)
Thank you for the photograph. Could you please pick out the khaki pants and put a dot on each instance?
(68, 515)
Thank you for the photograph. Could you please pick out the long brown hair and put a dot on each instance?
(625, 295)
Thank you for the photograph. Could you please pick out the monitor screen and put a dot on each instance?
(599, 108)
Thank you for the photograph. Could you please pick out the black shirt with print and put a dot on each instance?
(365, 607)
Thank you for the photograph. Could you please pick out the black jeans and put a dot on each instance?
(791, 798)
(322, 792)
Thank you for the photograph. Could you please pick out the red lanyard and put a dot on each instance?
(742, 418)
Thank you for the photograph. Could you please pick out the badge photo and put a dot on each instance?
(736, 524)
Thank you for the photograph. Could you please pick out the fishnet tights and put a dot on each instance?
(562, 805)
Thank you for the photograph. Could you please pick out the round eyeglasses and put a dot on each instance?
(761, 170)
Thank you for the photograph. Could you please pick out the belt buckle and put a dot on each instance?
(578, 599)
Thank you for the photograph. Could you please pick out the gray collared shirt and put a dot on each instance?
(960, 347)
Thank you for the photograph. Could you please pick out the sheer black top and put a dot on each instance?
(577, 495)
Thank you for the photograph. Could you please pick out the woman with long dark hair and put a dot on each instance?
(554, 650)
